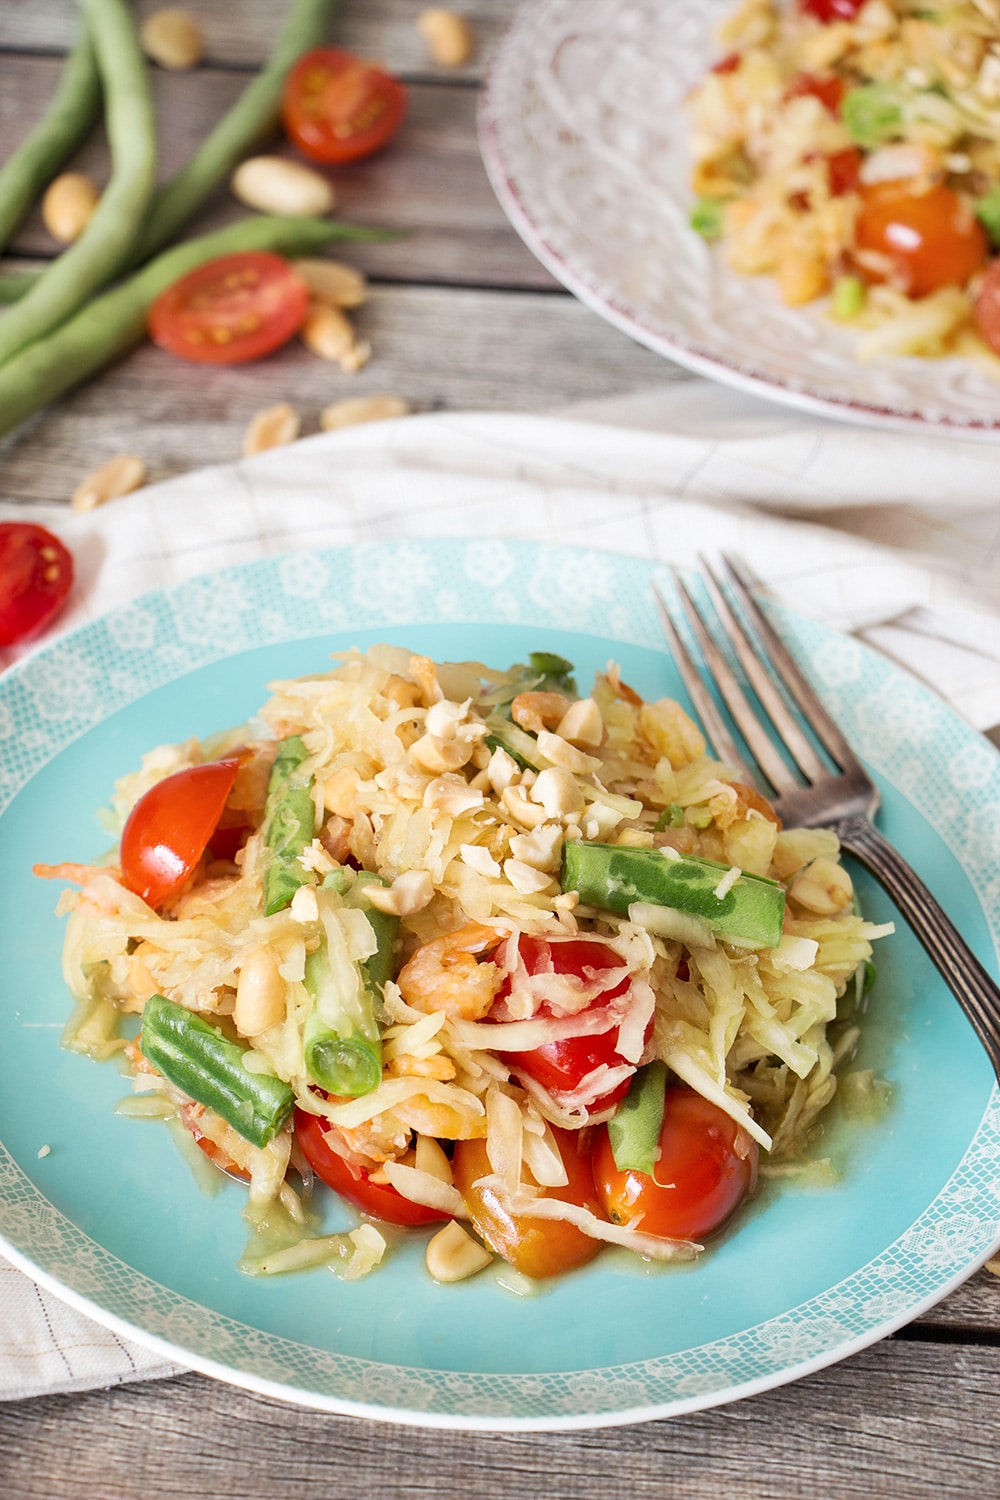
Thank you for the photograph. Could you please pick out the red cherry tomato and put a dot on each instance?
(168, 829)
(231, 310)
(727, 64)
(988, 307)
(829, 91)
(933, 239)
(36, 574)
(381, 1200)
(560, 1066)
(536, 1247)
(832, 10)
(844, 168)
(337, 108)
(707, 1166)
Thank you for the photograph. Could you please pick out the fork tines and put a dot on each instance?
(724, 584)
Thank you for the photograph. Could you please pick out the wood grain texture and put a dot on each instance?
(879, 1425)
(240, 35)
(438, 348)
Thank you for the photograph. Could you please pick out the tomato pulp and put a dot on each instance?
(706, 1167)
(36, 574)
(337, 108)
(168, 829)
(828, 11)
(231, 310)
(381, 1200)
(988, 307)
(561, 1066)
(932, 239)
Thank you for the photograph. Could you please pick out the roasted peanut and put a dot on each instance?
(448, 36)
(328, 333)
(172, 38)
(271, 428)
(67, 206)
(260, 994)
(332, 283)
(356, 409)
(119, 476)
(273, 185)
(452, 1254)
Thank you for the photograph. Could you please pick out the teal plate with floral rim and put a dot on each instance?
(112, 1220)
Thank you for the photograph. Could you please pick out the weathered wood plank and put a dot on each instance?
(437, 348)
(932, 1431)
(429, 183)
(241, 34)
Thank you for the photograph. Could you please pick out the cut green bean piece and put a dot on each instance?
(342, 1042)
(207, 1066)
(289, 826)
(30, 169)
(114, 323)
(634, 1130)
(744, 908)
(108, 240)
(871, 114)
(243, 128)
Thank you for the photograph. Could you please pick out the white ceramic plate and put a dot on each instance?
(584, 136)
(111, 1219)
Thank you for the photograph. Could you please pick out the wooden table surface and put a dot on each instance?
(461, 316)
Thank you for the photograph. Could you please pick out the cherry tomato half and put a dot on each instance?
(536, 1247)
(168, 829)
(831, 10)
(381, 1200)
(36, 574)
(933, 239)
(560, 1066)
(988, 307)
(231, 310)
(829, 91)
(337, 108)
(707, 1165)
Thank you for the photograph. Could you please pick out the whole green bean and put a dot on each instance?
(112, 324)
(250, 120)
(38, 158)
(111, 233)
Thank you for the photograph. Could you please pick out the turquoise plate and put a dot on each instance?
(112, 1219)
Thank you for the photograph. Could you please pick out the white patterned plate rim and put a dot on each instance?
(584, 137)
(74, 685)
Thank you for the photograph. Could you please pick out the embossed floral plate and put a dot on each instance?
(585, 138)
(111, 1218)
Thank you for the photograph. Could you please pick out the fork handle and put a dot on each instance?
(975, 991)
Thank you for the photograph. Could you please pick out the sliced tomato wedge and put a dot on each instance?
(168, 829)
(36, 574)
(337, 108)
(988, 307)
(231, 310)
(381, 1200)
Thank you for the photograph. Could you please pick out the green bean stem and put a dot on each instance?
(68, 119)
(250, 120)
(107, 241)
(114, 323)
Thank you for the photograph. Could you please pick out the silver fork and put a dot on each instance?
(844, 799)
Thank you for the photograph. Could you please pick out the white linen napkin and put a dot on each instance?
(894, 537)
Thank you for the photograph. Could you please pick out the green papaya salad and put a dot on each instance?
(526, 971)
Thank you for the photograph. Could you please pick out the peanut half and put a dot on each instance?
(329, 333)
(173, 39)
(448, 37)
(332, 283)
(69, 201)
(273, 185)
(119, 476)
(356, 409)
(271, 428)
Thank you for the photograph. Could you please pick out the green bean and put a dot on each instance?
(289, 824)
(115, 322)
(68, 119)
(250, 120)
(111, 233)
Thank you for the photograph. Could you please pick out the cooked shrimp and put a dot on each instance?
(445, 974)
(538, 711)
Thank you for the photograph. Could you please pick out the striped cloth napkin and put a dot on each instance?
(894, 538)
